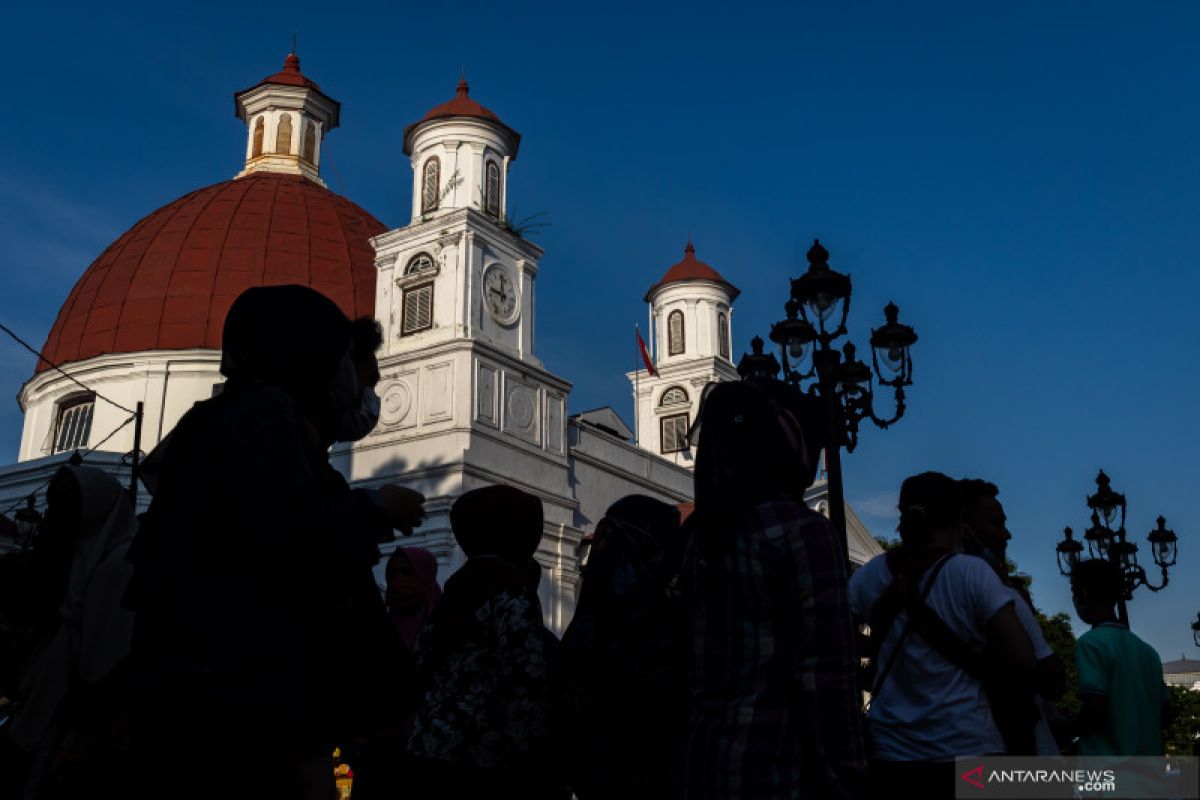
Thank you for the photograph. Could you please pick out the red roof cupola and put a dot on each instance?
(691, 269)
(462, 105)
(287, 116)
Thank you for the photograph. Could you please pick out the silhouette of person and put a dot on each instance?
(254, 555)
(1022, 712)
(481, 723)
(73, 689)
(1120, 677)
(411, 593)
(932, 611)
(620, 672)
(771, 667)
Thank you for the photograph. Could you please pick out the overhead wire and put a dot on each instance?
(61, 371)
(77, 454)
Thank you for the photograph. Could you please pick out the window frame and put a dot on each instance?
(257, 135)
(431, 201)
(308, 142)
(671, 350)
(662, 399)
(409, 298)
(723, 333)
(491, 198)
(284, 125)
(681, 434)
(79, 436)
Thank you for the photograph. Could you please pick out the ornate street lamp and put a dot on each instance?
(1106, 540)
(1068, 552)
(1196, 631)
(816, 315)
(27, 519)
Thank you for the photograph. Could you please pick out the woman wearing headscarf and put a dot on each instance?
(774, 705)
(411, 593)
(481, 724)
(618, 687)
(260, 635)
(72, 690)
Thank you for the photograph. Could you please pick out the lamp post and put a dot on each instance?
(1106, 540)
(27, 519)
(1196, 631)
(816, 317)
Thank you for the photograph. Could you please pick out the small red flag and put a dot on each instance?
(645, 354)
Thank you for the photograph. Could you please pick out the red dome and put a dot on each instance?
(692, 269)
(167, 282)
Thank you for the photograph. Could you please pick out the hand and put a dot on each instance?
(403, 507)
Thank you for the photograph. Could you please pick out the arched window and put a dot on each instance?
(73, 427)
(256, 148)
(673, 395)
(283, 136)
(417, 313)
(310, 142)
(418, 264)
(723, 335)
(430, 181)
(675, 343)
(492, 202)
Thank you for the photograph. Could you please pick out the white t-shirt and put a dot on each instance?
(1044, 738)
(928, 709)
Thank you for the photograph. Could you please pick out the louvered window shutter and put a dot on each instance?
(418, 309)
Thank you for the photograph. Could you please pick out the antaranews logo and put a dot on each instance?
(1135, 777)
(1033, 778)
(974, 776)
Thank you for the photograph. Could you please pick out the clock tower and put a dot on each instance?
(465, 401)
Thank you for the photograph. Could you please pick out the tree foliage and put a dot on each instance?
(1182, 736)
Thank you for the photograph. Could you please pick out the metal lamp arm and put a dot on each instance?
(901, 407)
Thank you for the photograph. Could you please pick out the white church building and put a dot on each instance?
(465, 400)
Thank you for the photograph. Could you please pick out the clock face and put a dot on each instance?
(499, 294)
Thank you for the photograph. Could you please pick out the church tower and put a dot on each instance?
(287, 116)
(465, 401)
(458, 271)
(690, 313)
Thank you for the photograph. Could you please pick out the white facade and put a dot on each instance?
(167, 382)
(451, 158)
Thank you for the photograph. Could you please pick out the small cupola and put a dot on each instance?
(460, 154)
(287, 116)
(691, 307)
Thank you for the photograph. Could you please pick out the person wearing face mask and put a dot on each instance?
(258, 629)
(1023, 713)
(934, 613)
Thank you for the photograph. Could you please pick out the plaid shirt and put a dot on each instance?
(771, 667)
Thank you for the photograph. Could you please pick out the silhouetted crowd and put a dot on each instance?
(227, 641)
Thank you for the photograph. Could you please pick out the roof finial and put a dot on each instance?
(292, 62)
(463, 87)
(689, 250)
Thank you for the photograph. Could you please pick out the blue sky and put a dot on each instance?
(1021, 178)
